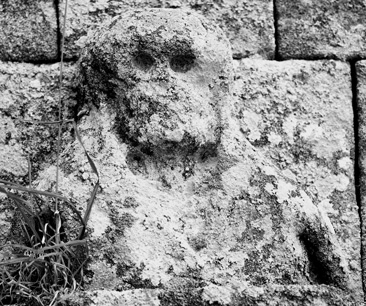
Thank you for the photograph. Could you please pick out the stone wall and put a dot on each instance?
(294, 149)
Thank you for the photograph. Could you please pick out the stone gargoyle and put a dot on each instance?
(186, 203)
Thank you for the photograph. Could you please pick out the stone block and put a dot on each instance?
(214, 189)
(28, 31)
(321, 29)
(299, 114)
(361, 118)
(217, 295)
(248, 24)
(217, 185)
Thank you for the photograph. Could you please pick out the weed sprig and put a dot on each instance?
(48, 263)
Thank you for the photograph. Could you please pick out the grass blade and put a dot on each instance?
(96, 187)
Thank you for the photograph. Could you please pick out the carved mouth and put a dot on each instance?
(168, 118)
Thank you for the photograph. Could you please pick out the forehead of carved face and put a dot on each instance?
(166, 74)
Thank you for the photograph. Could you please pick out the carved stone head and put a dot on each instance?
(164, 72)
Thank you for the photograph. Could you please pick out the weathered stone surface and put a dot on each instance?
(252, 192)
(299, 114)
(28, 30)
(273, 295)
(306, 127)
(29, 95)
(248, 24)
(321, 29)
(137, 297)
(361, 117)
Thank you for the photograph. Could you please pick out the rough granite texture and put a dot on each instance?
(28, 30)
(29, 95)
(321, 29)
(299, 114)
(218, 186)
(258, 209)
(361, 108)
(248, 24)
(273, 295)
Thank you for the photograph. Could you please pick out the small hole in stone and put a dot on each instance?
(324, 267)
(182, 62)
(143, 61)
(136, 163)
(137, 158)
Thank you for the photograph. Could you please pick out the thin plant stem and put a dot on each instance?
(60, 108)
(30, 176)
(47, 122)
(60, 125)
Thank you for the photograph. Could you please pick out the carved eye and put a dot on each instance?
(143, 61)
(182, 62)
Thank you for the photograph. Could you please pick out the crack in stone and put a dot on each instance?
(357, 171)
(56, 5)
(276, 32)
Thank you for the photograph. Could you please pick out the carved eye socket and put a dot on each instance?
(143, 61)
(182, 62)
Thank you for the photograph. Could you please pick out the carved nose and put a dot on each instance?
(163, 73)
